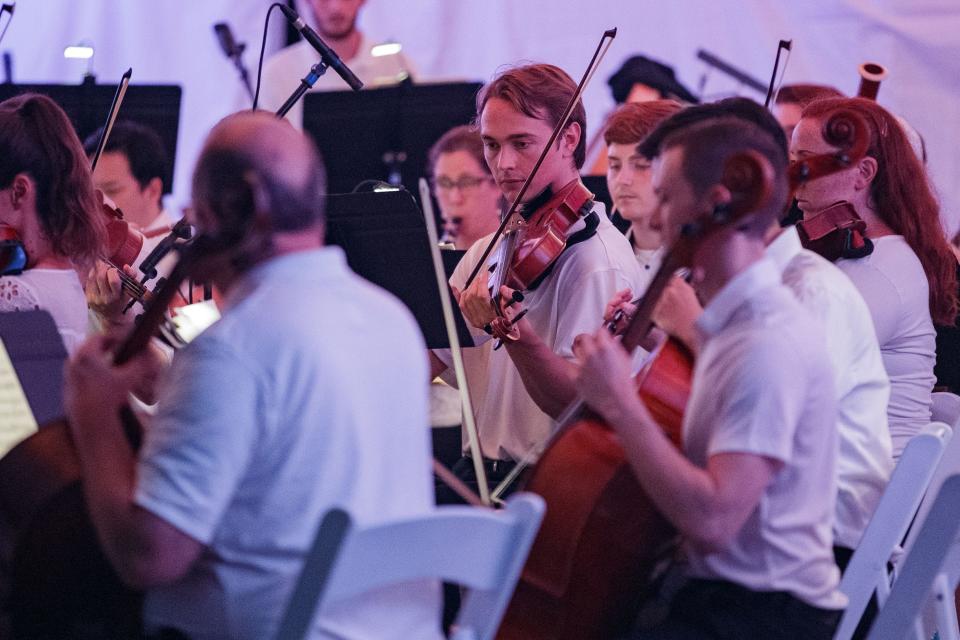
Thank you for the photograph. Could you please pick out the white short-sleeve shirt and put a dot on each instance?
(57, 291)
(862, 386)
(763, 385)
(894, 286)
(570, 301)
(309, 393)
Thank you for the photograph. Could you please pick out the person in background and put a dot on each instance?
(792, 98)
(639, 79)
(47, 199)
(336, 23)
(628, 178)
(470, 202)
(909, 280)
(132, 172)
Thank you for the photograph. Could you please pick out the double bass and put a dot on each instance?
(602, 535)
(59, 583)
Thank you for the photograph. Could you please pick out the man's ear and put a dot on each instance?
(154, 190)
(570, 138)
(262, 202)
(717, 198)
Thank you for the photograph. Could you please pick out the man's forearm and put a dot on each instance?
(108, 465)
(548, 378)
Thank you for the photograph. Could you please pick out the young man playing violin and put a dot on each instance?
(516, 389)
(752, 491)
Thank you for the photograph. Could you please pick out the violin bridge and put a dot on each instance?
(515, 223)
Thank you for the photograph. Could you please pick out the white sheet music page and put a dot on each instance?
(16, 418)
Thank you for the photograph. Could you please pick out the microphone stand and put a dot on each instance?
(306, 83)
(242, 70)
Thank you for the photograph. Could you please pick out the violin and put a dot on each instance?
(533, 240)
(53, 552)
(837, 231)
(124, 243)
(13, 255)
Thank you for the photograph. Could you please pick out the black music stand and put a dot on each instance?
(37, 353)
(385, 238)
(87, 106)
(358, 132)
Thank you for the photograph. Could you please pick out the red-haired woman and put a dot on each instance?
(909, 280)
(47, 198)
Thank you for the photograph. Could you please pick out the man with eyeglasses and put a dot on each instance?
(470, 202)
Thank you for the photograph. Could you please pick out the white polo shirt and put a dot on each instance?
(894, 286)
(309, 393)
(569, 302)
(862, 387)
(763, 385)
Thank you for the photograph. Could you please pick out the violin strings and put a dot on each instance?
(128, 282)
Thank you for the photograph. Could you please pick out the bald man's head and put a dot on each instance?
(255, 163)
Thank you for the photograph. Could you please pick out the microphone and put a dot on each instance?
(234, 51)
(225, 37)
(7, 67)
(328, 55)
(180, 231)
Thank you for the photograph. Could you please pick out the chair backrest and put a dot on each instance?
(867, 570)
(481, 549)
(946, 408)
(948, 466)
(921, 567)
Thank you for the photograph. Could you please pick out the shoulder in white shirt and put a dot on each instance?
(55, 290)
(745, 400)
(862, 386)
(894, 286)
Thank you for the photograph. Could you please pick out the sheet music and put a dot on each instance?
(16, 418)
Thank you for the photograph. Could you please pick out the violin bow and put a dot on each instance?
(785, 45)
(469, 424)
(508, 219)
(111, 116)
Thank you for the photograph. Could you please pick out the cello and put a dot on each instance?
(602, 535)
(60, 583)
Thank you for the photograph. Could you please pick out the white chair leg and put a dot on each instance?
(946, 611)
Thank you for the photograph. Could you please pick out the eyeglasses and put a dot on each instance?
(463, 183)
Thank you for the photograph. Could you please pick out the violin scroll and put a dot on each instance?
(13, 255)
(843, 129)
(749, 177)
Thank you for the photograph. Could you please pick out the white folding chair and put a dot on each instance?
(940, 614)
(923, 564)
(946, 408)
(481, 549)
(867, 571)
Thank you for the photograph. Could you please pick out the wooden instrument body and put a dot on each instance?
(543, 237)
(55, 579)
(602, 535)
